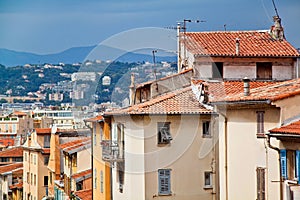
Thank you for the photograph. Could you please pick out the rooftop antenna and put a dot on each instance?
(275, 8)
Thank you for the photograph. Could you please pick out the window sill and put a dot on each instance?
(206, 136)
(260, 135)
(208, 187)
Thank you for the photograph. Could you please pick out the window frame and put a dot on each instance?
(167, 132)
(260, 123)
(206, 131)
(261, 183)
(209, 175)
(164, 182)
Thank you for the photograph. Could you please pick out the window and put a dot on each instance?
(207, 179)
(31, 178)
(283, 164)
(164, 135)
(34, 180)
(50, 178)
(260, 123)
(297, 161)
(206, 129)
(101, 181)
(95, 178)
(46, 160)
(260, 178)
(34, 159)
(217, 70)
(264, 70)
(28, 181)
(17, 159)
(45, 180)
(164, 181)
(47, 141)
(25, 156)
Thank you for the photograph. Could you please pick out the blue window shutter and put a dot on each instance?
(164, 181)
(298, 165)
(283, 164)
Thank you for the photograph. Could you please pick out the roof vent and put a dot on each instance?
(237, 46)
(246, 86)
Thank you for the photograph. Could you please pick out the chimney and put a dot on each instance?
(277, 30)
(237, 46)
(246, 86)
(131, 90)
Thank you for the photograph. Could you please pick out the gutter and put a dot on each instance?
(278, 151)
(241, 102)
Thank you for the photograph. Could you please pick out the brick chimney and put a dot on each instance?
(277, 30)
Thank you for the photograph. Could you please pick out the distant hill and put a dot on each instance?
(11, 58)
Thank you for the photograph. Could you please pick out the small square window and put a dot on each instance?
(164, 135)
(207, 180)
(206, 129)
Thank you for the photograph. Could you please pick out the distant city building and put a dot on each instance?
(106, 80)
(56, 97)
(77, 95)
(83, 76)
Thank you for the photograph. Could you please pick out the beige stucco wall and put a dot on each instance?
(241, 71)
(277, 72)
(290, 109)
(188, 156)
(246, 152)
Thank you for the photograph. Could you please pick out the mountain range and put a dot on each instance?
(11, 58)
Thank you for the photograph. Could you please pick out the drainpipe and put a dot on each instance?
(278, 151)
(226, 156)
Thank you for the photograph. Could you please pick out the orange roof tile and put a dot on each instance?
(7, 142)
(10, 167)
(84, 194)
(12, 152)
(82, 174)
(41, 131)
(75, 145)
(19, 113)
(271, 92)
(220, 90)
(16, 186)
(181, 101)
(94, 119)
(252, 44)
(293, 128)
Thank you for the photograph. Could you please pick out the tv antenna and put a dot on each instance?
(275, 8)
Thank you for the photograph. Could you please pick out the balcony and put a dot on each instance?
(111, 151)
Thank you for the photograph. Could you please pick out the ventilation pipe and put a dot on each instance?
(246, 86)
(237, 46)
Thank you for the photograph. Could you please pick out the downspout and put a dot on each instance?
(226, 156)
(278, 151)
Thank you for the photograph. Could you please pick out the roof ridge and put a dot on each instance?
(162, 97)
(233, 31)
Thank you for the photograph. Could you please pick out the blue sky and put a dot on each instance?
(48, 26)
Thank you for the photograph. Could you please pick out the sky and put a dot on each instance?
(51, 26)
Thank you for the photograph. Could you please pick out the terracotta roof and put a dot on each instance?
(41, 131)
(252, 44)
(7, 142)
(220, 90)
(94, 119)
(181, 101)
(46, 151)
(16, 186)
(271, 92)
(12, 152)
(84, 194)
(82, 174)
(10, 167)
(76, 145)
(293, 129)
(19, 113)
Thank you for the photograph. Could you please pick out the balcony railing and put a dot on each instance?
(111, 151)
